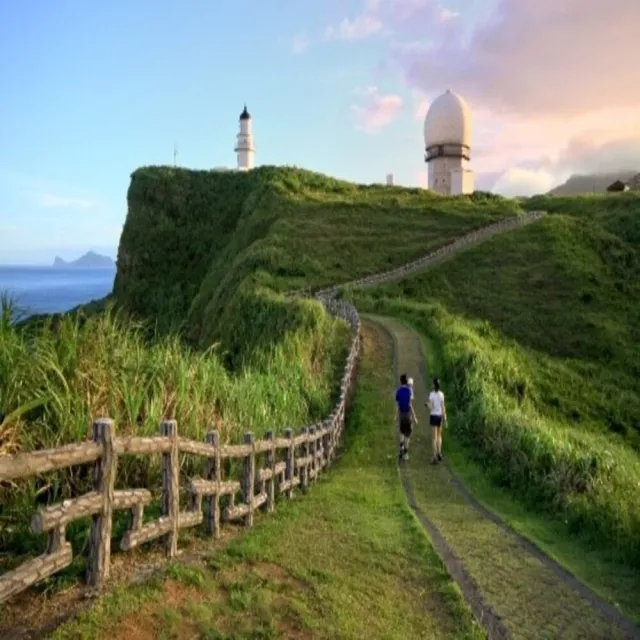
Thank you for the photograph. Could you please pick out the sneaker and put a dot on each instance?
(406, 456)
(439, 457)
(434, 461)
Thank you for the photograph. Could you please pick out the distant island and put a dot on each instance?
(90, 260)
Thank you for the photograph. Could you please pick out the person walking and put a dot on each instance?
(406, 414)
(437, 419)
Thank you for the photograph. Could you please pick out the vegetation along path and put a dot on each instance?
(513, 588)
(347, 560)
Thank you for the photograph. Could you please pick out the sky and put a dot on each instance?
(91, 91)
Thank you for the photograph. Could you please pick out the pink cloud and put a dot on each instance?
(378, 110)
(551, 84)
(540, 57)
(421, 109)
(444, 14)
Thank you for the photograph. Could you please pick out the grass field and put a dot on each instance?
(348, 560)
(546, 376)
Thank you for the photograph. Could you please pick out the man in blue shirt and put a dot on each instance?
(406, 414)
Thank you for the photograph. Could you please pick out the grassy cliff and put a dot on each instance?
(540, 337)
(210, 252)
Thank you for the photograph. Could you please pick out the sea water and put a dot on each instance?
(52, 290)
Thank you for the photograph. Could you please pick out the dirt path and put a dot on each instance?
(514, 589)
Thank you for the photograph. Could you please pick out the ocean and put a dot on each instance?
(49, 290)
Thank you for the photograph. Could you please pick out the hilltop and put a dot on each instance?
(211, 252)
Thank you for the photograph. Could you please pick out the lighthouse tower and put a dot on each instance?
(245, 150)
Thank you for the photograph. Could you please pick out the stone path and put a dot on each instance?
(514, 589)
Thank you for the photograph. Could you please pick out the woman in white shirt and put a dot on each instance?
(437, 419)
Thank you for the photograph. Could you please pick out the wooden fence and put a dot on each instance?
(430, 259)
(272, 465)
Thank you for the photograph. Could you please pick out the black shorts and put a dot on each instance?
(406, 425)
(435, 421)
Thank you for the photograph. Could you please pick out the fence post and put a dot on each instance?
(326, 442)
(271, 463)
(322, 452)
(326, 449)
(171, 485)
(103, 483)
(312, 452)
(291, 462)
(304, 469)
(213, 472)
(249, 479)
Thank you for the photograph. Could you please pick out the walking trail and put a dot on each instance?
(514, 590)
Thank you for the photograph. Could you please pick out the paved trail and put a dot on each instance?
(513, 588)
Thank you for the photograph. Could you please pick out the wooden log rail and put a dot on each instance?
(275, 464)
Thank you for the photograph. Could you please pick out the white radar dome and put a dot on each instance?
(448, 121)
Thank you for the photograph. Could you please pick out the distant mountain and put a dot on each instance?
(590, 183)
(90, 260)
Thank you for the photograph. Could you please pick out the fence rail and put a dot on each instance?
(433, 257)
(271, 465)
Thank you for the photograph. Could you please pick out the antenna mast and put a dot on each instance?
(175, 155)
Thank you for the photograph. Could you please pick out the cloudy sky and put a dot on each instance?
(90, 91)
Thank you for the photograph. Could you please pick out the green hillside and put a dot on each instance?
(208, 251)
(540, 336)
(206, 256)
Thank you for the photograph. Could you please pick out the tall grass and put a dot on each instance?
(56, 377)
(588, 479)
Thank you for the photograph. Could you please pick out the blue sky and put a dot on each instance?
(92, 90)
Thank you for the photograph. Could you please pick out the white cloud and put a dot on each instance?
(377, 111)
(444, 14)
(52, 201)
(360, 27)
(299, 43)
(524, 182)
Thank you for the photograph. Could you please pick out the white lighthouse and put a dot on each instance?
(447, 140)
(245, 149)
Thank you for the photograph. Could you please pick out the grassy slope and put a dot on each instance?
(569, 294)
(348, 561)
(206, 250)
(541, 346)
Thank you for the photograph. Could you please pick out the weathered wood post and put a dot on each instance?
(312, 452)
(291, 463)
(171, 485)
(304, 468)
(213, 472)
(320, 447)
(249, 479)
(103, 483)
(271, 464)
(326, 443)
